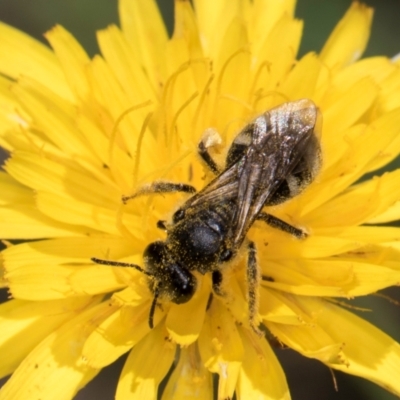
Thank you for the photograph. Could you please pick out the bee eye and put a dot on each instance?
(154, 256)
(180, 284)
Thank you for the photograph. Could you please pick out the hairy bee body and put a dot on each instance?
(271, 160)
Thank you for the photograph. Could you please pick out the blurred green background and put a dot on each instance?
(308, 379)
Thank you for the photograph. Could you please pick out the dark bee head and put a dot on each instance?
(167, 277)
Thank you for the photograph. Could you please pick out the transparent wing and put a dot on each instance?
(273, 159)
(282, 159)
(224, 187)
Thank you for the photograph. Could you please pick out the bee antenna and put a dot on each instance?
(119, 264)
(153, 307)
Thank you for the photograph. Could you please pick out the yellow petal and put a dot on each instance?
(214, 17)
(366, 151)
(275, 308)
(26, 222)
(359, 204)
(323, 277)
(147, 35)
(24, 324)
(146, 366)
(310, 340)
(116, 334)
(53, 116)
(68, 251)
(23, 56)
(121, 170)
(279, 51)
(340, 150)
(279, 246)
(349, 38)
(184, 321)
(390, 92)
(302, 79)
(392, 213)
(53, 369)
(372, 234)
(181, 91)
(95, 280)
(44, 174)
(189, 380)
(261, 376)
(265, 14)
(233, 58)
(126, 67)
(336, 278)
(380, 364)
(76, 212)
(39, 282)
(49, 269)
(12, 115)
(378, 255)
(73, 59)
(185, 28)
(221, 348)
(115, 100)
(344, 105)
(377, 68)
(12, 192)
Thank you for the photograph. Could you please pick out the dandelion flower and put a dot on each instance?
(84, 132)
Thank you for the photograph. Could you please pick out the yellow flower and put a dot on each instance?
(84, 132)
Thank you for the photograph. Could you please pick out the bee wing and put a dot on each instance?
(281, 140)
(224, 187)
(273, 146)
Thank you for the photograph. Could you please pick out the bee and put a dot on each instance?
(271, 160)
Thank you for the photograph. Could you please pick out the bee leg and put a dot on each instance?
(153, 308)
(161, 187)
(277, 223)
(216, 283)
(253, 281)
(205, 155)
(162, 225)
(209, 301)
